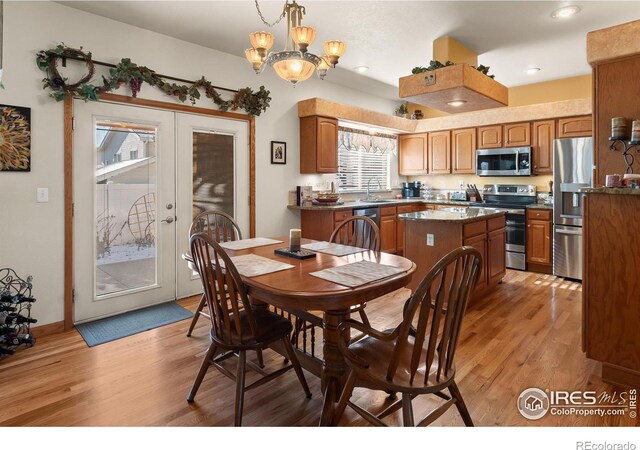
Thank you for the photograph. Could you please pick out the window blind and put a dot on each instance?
(358, 164)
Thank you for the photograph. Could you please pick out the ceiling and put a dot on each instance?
(392, 37)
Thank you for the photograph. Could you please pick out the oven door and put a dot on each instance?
(504, 162)
(515, 231)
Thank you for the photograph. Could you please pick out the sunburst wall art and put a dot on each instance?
(15, 139)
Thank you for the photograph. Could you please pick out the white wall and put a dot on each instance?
(31, 234)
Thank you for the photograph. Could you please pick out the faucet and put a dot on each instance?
(368, 197)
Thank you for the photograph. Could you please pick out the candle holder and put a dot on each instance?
(627, 145)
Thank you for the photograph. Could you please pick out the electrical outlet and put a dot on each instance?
(430, 240)
(42, 195)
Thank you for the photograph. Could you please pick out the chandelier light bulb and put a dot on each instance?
(323, 67)
(262, 41)
(303, 37)
(254, 58)
(334, 50)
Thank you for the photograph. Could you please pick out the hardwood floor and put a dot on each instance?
(525, 334)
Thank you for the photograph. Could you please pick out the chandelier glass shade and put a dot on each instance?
(297, 64)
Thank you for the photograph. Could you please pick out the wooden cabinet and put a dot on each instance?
(490, 137)
(413, 154)
(388, 229)
(496, 255)
(569, 127)
(318, 145)
(463, 150)
(539, 240)
(319, 224)
(611, 306)
(517, 134)
(544, 132)
(480, 243)
(439, 151)
(486, 235)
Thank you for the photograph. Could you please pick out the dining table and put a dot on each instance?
(295, 289)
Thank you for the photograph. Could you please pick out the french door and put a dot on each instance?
(140, 175)
(213, 174)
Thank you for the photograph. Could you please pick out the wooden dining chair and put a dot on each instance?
(358, 231)
(221, 227)
(236, 326)
(417, 357)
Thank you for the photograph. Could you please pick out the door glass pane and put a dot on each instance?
(125, 206)
(213, 173)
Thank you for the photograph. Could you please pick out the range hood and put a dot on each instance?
(458, 83)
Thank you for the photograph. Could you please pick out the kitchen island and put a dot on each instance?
(429, 235)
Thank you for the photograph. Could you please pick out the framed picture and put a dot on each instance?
(278, 152)
(15, 142)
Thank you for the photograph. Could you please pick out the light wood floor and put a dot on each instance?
(526, 334)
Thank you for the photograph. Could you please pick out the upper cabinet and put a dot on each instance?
(318, 145)
(517, 134)
(544, 132)
(413, 154)
(464, 150)
(490, 137)
(570, 127)
(439, 152)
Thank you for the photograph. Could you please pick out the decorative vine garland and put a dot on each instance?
(127, 72)
(434, 65)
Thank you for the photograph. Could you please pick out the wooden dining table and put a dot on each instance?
(296, 290)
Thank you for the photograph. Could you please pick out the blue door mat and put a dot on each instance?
(132, 322)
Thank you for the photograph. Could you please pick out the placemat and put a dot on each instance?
(333, 249)
(244, 244)
(254, 265)
(357, 273)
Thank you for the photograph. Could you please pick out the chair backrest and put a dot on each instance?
(435, 313)
(224, 291)
(357, 231)
(219, 225)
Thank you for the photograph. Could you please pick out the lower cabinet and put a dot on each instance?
(388, 229)
(539, 241)
(496, 255)
(480, 243)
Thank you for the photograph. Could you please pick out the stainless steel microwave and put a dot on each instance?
(504, 162)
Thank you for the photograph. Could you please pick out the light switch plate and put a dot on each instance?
(42, 195)
(430, 240)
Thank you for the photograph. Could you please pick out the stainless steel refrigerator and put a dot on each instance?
(572, 170)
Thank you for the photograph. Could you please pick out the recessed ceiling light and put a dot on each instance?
(566, 11)
(532, 70)
(457, 103)
(361, 69)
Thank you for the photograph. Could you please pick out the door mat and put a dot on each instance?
(132, 322)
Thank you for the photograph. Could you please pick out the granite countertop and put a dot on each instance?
(386, 202)
(463, 215)
(540, 206)
(611, 191)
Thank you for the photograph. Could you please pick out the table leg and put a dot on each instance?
(334, 368)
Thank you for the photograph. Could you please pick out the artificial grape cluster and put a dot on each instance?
(15, 312)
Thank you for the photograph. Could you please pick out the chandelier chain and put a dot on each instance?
(278, 20)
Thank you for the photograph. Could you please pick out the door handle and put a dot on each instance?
(169, 219)
(577, 233)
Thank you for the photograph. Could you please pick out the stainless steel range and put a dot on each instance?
(513, 198)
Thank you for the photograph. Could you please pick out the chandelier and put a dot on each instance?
(295, 64)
